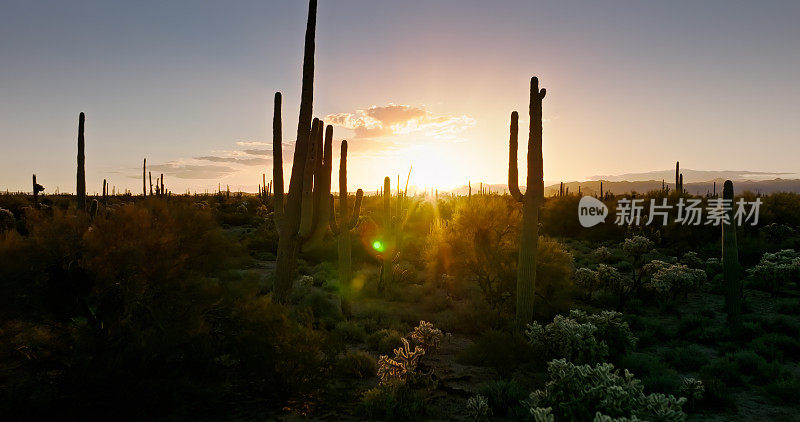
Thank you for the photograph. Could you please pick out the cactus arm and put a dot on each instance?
(277, 160)
(343, 183)
(535, 170)
(356, 209)
(322, 188)
(81, 177)
(307, 196)
(332, 217)
(513, 145)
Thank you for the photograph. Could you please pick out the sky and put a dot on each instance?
(632, 86)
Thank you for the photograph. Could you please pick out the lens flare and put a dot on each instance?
(377, 245)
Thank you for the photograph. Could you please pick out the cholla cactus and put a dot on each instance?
(580, 392)
(567, 338)
(602, 254)
(776, 270)
(402, 367)
(586, 279)
(543, 414)
(611, 329)
(693, 388)
(426, 336)
(599, 417)
(673, 280)
(478, 408)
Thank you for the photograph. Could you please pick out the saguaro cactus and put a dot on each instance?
(288, 216)
(677, 176)
(347, 221)
(531, 201)
(730, 261)
(387, 245)
(144, 177)
(81, 182)
(36, 189)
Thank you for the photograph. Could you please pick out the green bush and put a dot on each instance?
(505, 397)
(499, 350)
(384, 341)
(356, 365)
(743, 367)
(394, 401)
(579, 392)
(775, 346)
(687, 358)
(784, 391)
(350, 331)
(656, 376)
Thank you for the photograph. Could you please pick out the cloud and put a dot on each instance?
(235, 160)
(252, 144)
(191, 171)
(394, 119)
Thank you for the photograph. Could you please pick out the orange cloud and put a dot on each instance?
(394, 119)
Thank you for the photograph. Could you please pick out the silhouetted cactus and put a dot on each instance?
(388, 248)
(531, 201)
(680, 184)
(105, 192)
(347, 221)
(36, 189)
(730, 260)
(144, 177)
(288, 218)
(81, 179)
(93, 207)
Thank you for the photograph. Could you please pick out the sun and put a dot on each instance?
(433, 167)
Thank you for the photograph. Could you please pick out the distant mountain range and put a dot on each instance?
(696, 182)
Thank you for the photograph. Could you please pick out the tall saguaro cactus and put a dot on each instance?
(290, 214)
(81, 182)
(677, 176)
(144, 177)
(387, 268)
(347, 221)
(730, 260)
(531, 201)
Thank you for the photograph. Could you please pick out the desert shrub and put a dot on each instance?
(499, 350)
(582, 337)
(356, 365)
(783, 391)
(742, 367)
(384, 341)
(695, 328)
(579, 392)
(427, 336)
(479, 245)
(775, 271)
(505, 397)
(350, 331)
(776, 346)
(655, 375)
(478, 408)
(687, 358)
(395, 402)
(713, 267)
(787, 306)
(693, 389)
(781, 324)
(325, 307)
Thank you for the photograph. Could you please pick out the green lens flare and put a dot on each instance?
(377, 245)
